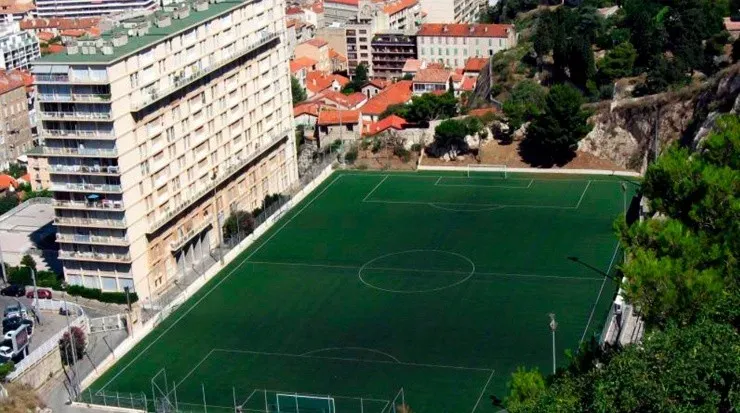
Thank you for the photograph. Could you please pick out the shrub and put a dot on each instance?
(377, 144)
(365, 144)
(351, 156)
(402, 153)
(239, 222)
(416, 148)
(99, 295)
(78, 339)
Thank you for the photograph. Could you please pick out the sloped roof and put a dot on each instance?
(62, 24)
(10, 81)
(316, 42)
(316, 80)
(469, 83)
(465, 30)
(432, 75)
(335, 117)
(397, 6)
(348, 101)
(475, 64)
(394, 94)
(311, 109)
(377, 82)
(302, 63)
(333, 54)
(6, 181)
(390, 122)
(411, 65)
(292, 10)
(45, 36)
(345, 2)
(482, 111)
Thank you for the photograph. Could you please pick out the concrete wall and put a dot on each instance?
(43, 370)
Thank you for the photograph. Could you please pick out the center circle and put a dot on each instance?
(416, 271)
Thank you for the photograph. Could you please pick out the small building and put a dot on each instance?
(318, 81)
(338, 61)
(392, 122)
(16, 136)
(306, 114)
(453, 44)
(335, 125)
(431, 80)
(337, 100)
(373, 87)
(300, 67)
(316, 49)
(394, 94)
(732, 27)
(474, 65)
(390, 52)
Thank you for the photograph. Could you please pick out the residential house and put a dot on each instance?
(300, 67)
(317, 49)
(431, 80)
(56, 25)
(453, 44)
(306, 114)
(392, 122)
(7, 184)
(319, 81)
(474, 65)
(394, 94)
(411, 66)
(335, 125)
(338, 100)
(338, 61)
(373, 87)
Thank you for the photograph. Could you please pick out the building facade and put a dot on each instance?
(18, 48)
(452, 11)
(153, 135)
(404, 16)
(89, 8)
(15, 128)
(340, 11)
(453, 44)
(390, 52)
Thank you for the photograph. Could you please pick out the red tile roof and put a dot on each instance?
(302, 63)
(432, 75)
(293, 10)
(54, 48)
(465, 30)
(317, 42)
(397, 6)
(45, 36)
(347, 101)
(394, 94)
(311, 109)
(475, 64)
(335, 117)
(333, 54)
(345, 2)
(482, 111)
(6, 181)
(456, 77)
(73, 33)
(377, 82)
(389, 122)
(10, 81)
(318, 7)
(316, 81)
(469, 83)
(62, 24)
(411, 65)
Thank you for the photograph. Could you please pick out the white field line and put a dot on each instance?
(224, 278)
(583, 194)
(375, 188)
(453, 204)
(193, 369)
(483, 391)
(370, 350)
(596, 303)
(420, 176)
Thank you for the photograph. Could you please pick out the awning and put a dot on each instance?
(60, 69)
(41, 69)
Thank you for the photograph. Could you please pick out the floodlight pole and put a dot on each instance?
(553, 327)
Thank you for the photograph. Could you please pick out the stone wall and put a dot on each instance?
(43, 370)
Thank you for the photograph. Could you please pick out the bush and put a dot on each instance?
(402, 153)
(377, 144)
(351, 156)
(70, 356)
(416, 148)
(99, 295)
(239, 222)
(365, 144)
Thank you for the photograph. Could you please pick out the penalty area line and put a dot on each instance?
(598, 297)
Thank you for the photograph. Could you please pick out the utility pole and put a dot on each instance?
(553, 327)
(35, 290)
(2, 264)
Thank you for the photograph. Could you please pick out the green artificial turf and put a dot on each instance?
(440, 284)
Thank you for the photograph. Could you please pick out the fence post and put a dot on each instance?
(132, 400)
(118, 400)
(205, 406)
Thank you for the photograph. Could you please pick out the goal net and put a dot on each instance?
(486, 170)
(297, 403)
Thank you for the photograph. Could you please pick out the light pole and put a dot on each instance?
(624, 211)
(553, 327)
(218, 220)
(2, 265)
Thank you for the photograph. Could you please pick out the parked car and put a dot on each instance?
(13, 290)
(12, 324)
(15, 310)
(42, 292)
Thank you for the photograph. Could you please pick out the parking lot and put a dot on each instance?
(50, 324)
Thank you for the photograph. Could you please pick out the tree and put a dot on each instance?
(28, 261)
(72, 346)
(238, 224)
(450, 134)
(297, 91)
(722, 145)
(527, 100)
(618, 62)
(525, 387)
(553, 136)
(5, 369)
(736, 50)
(16, 170)
(8, 202)
(359, 80)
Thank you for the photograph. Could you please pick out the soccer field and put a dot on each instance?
(437, 283)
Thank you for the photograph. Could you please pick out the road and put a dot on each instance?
(51, 322)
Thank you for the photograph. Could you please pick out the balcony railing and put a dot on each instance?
(65, 78)
(92, 239)
(91, 222)
(94, 256)
(45, 150)
(76, 115)
(104, 204)
(77, 134)
(73, 97)
(178, 243)
(84, 169)
(225, 172)
(155, 95)
(86, 187)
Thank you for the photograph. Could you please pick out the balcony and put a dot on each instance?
(104, 205)
(80, 116)
(94, 256)
(97, 153)
(74, 97)
(156, 95)
(82, 187)
(90, 222)
(76, 134)
(65, 78)
(92, 239)
(180, 242)
(85, 170)
(225, 172)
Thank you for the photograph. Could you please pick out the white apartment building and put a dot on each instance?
(340, 11)
(453, 44)
(156, 131)
(404, 16)
(452, 11)
(18, 48)
(89, 8)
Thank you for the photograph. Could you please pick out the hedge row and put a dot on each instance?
(97, 294)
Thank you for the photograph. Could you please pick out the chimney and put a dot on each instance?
(445, 29)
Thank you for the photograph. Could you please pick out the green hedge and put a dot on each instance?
(97, 294)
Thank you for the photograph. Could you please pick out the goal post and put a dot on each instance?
(296, 403)
(480, 169)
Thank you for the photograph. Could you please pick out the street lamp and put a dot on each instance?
(553, 327)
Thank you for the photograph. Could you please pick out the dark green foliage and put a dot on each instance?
(425, 108)
(15, 170)
(617, 63)
(270, 200)
(662, 75)
(351, 156)
(358, 80)
(736, 50)
(714, 50)
(72, 347)
(5, 369)
(402, 153)
(238, 224)
(8, 202)
(527, 101)
(297, 91)
(553, 135)
(97, 294)
(22, 275)
(28, 261)
(451, 133)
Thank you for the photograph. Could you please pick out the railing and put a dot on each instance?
(86, 187)
(74, 97)
(85, 169)
(76, 115)
(89, 205)
(52, 343)
(115, 223)
(51, 78)
(65, 78)
(94, 256)
(155, 95)
(76, 133)
(46, 150)
(178, 243)
(92, 239)
(107, 323)
(227, 171)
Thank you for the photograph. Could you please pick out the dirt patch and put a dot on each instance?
(495, 153)
(384, 160)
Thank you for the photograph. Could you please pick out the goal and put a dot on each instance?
(296, 403)
(486, 170)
